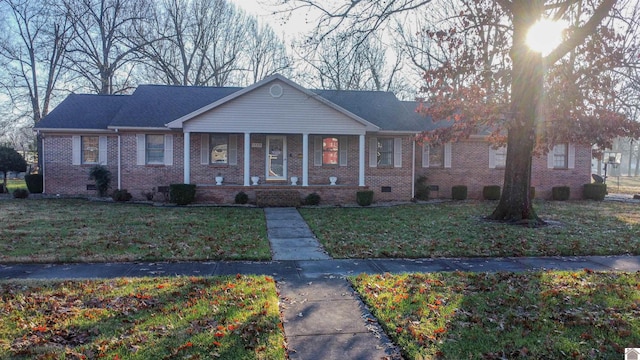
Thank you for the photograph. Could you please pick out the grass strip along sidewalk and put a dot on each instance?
(142, 318)
(543, 315)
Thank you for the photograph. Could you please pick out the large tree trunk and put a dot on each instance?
(526, 93)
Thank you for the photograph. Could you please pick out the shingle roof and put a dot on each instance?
(82, 111)
(156, 105)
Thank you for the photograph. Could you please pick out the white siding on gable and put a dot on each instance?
(76, 149)
(397, 152)
(204, 149)
(168, 149)
(141, 154)
(102, 150)
(293, 112)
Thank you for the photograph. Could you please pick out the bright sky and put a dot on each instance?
(290, 29)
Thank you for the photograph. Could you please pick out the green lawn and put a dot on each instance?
(13, 184)
(457, 229)
(142, 318)
(79, 230)
(545, 315)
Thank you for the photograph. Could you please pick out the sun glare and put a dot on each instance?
(545, 35)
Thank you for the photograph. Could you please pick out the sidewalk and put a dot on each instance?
(323, 317)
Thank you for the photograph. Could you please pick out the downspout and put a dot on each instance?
(42, 162)
(119, 163)
(413, 169)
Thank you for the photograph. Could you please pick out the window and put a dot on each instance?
(500, 157)
(218, 147)
(560, 156)
(90, 148)
(385, 152)
(436, 156)
(155, 149)
(330, 146)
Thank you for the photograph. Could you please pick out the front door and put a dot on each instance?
(276, 158)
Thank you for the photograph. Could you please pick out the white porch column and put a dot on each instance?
(305, 159)
(361, 162)
(247, 159)
(187, 158)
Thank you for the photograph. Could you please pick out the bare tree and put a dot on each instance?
(266, 53)
(34, 55)
(104, 50)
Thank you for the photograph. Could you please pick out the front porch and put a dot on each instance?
(329, 194)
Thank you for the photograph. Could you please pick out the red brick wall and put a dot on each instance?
(399, 179)
(470, 167)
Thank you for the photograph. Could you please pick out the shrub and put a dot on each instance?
(595, 191)
(491, 192)
(182, 194)
(149, 194)
(121, 195)
(102, 177)
(242, 198)
(34, 183)
(312, 199)
(422, 189)
(459, 192)
(20, 193)
(2, 190)
(364, 198)
(560, 193)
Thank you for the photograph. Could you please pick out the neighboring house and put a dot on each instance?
(278, 131)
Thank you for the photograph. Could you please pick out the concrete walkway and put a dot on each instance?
(323, 316)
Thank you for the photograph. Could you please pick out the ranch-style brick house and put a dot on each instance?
(274, 134)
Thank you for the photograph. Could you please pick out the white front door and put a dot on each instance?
(276, 158)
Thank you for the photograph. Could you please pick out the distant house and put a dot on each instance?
(275, 132)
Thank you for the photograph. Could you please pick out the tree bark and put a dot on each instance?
(526, 95)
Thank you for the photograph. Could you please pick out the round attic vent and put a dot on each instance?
(276, 90)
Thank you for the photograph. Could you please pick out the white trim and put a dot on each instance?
(168, 150)
(373, 151)
(447, 155)
(178, 123)
(397, 152)
(204, 149)
(305, 159)
(550, 162)
(247, 159)
(141, 151)
(119, 163)
(571, 156)
(317, 150)
(413, 169)
(343, 150)
(102, 150)
(232, 150)
(187, 158)
(361, 164)
(44, 177)
(426, 151)
(492, 157)
(76, 150)
(284, 157)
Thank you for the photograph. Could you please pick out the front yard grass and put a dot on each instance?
(142, 318)
(544, 315)
(457, 229)
(79, 230)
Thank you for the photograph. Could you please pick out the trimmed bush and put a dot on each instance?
(312, 199)
(422, 189)
(20, 193)
(459, 192)
(102, 177)
(34, 183)
(560, 193)
(241, 198)
(182, 194)
(364, 198)
(595, 191)
(491, 192)
(121, 195)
